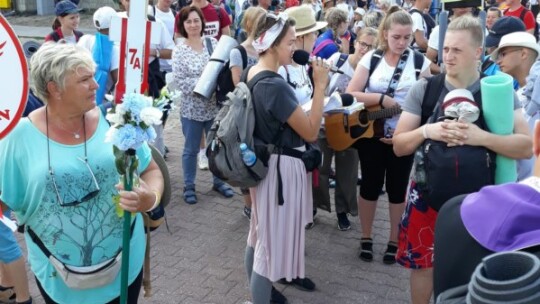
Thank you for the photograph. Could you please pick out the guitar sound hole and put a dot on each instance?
(363, 118)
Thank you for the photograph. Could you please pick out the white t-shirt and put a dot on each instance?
(419, 24)
(166, 41)
(433, 41)
(168, 20)
(339, 82)
(299, 77)
(379, 80)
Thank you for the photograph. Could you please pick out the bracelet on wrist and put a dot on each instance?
(425, 132)
(156, 202)
(381, 100)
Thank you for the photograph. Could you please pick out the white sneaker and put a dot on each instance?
(202, 161)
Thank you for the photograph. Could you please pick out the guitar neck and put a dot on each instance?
(384, 113)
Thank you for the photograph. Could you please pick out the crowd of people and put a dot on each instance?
(384, 54)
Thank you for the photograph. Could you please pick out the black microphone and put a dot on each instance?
(346, 99)
(302, 57)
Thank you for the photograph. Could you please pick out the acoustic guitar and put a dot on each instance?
(343, 130)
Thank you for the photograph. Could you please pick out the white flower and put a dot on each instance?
(151, 116)
(120, 109)
(115, 118)
(111, 134)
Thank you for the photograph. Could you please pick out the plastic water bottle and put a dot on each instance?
(248, 156)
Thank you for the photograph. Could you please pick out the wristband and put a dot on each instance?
(424, 132)
(381, 101)
(157, 53)
(156, 202)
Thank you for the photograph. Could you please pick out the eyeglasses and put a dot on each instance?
(501, 55)
(365, 46)
(85, 198)
(92, 194)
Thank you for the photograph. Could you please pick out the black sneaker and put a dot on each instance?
(247, 212)
(304, 284)
(343, 222)
(277, 297)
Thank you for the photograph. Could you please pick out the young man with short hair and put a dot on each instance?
(462, 51)
(516, 54)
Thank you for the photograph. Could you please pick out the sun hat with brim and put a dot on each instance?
(305, 19)
(501, 27)
(504, 217)
(66, 7)
(519, 39)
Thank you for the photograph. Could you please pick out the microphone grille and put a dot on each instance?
(347, 99)
(301, 57)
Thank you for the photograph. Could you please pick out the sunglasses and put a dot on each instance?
(92, 194)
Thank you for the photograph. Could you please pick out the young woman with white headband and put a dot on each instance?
(275, 245)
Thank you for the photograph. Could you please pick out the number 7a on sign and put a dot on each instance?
(135, 34)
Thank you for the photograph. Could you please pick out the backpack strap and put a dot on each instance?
(486, 64)
(209, 45)
(341, 61)
(243, 52)
(418, 63)
(433, 91)
(322, 45)
(374, 62)
(522, 15)
(218, 11)
(289, 77)
(154, 10)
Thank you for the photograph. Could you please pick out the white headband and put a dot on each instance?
(267, 38)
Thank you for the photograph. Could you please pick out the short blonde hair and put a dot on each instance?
(250, 16)
(52, 62)
(469, 24)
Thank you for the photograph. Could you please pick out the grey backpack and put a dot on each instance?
(233, 125)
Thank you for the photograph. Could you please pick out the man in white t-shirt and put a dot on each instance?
(516, 54)
(162, 11)
(105, 54)
(420, 28)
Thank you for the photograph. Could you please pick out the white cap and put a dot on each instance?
(103, 16)
(360, 11)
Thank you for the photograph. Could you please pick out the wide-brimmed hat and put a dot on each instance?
(305, 19)
(66, 7)
(501, 27)
(103, 16)
(522, 39)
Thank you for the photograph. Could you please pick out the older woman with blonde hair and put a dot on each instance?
(65, 194)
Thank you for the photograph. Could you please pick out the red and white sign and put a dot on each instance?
(13, 79)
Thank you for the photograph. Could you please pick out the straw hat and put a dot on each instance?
(520, 39)
(305, 19)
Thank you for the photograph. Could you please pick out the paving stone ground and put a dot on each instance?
(202, 260)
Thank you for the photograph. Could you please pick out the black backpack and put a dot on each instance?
(224, 81)
(443, 172)
(430, 23)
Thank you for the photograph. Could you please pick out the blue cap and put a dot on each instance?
(501, 27)
(66, 7)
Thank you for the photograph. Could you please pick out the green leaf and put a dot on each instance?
(120, 165)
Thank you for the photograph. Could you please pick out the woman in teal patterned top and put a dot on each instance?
(58, 175)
